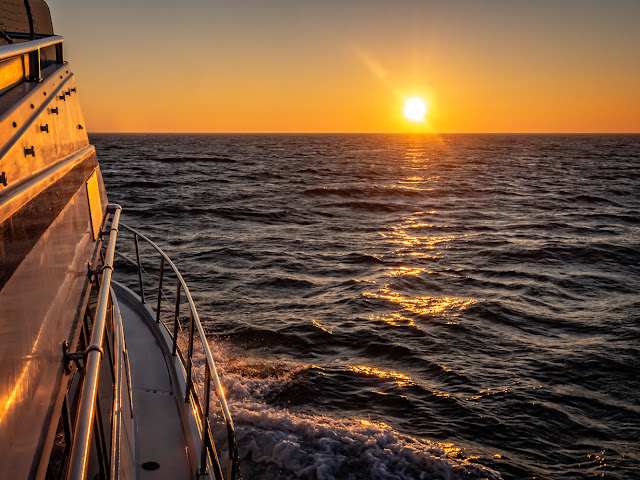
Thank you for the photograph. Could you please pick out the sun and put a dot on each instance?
(415, 109)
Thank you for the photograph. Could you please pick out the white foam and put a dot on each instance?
(275, 443)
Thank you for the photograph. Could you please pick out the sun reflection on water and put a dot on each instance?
(395, 319)
(451, 449)
(426, 305)
(408, 235)
(415, 154)
(318, 325)
(400, 379)
(407, 271)
(415, 179)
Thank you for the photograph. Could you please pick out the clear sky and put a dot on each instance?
(349, 65)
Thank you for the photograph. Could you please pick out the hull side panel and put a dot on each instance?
(40, 309)
(46, 242)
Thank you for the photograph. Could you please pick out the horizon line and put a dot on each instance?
(356, 133)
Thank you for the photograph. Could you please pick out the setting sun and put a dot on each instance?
(415, 109)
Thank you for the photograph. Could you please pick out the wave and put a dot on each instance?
(360, 258)
(373, 207)
(198, 159)
(593, 200)
(284, 282)
(275, 443)
(142, 184)
(354, 192)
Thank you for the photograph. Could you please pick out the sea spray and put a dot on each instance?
(275, 443)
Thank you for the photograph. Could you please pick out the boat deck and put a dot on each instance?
(154, 396)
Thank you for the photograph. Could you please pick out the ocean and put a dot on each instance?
(406, 306)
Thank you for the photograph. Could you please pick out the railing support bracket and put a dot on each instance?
(67, 357)
(98, 271)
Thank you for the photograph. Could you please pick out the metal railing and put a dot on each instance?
(32, 50)
(92, 356)
(208, 449)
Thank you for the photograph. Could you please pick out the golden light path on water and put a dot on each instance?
(426, 305)
(414, 243)
(407, 271)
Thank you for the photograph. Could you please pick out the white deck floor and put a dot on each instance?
(160, 436)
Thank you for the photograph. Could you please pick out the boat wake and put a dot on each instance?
(275, 443)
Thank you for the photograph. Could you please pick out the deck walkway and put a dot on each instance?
(154, 396)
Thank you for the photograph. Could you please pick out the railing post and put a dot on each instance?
(35, 73)
(59, 53)
(101, 447)
(232, 467)
(205, 420)
(174, 352)
(160, 289)
(135, 236)
(189, 357)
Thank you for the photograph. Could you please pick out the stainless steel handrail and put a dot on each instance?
(15, 49)
(87, 404)
(32, 50)
(210, 370)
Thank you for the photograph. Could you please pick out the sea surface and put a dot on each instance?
(406, 306)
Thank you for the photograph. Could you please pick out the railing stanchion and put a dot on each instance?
(135, 235)
(205, 420)
(189, 357)
(174, 352)
(35, 72)
(59, 54)
(160, 289)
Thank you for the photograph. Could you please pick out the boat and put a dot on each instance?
(100, 378)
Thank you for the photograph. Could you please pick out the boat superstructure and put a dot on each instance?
(94, 381)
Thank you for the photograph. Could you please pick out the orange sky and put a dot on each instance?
(338, 66)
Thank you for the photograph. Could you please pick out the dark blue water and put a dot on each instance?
(396, 306)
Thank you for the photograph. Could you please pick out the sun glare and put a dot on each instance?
(415, 109)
